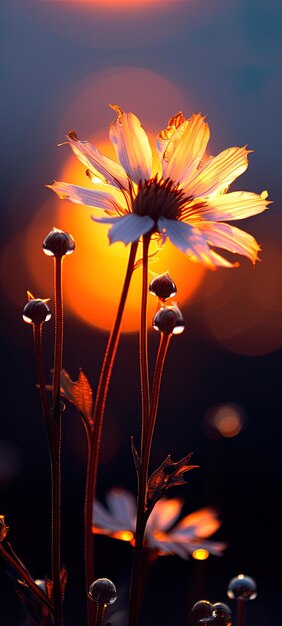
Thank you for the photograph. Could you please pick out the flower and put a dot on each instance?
(161, 535)
(186, 200)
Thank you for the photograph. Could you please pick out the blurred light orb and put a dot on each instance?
(124, 535)
(200, 554)
(224, 420)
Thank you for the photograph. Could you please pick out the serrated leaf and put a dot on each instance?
(168, 474)
(79, 393)
(49, 588)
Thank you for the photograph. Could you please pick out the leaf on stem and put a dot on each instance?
(168, 474)
(79, 393)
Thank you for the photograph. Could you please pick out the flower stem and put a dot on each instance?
(142, 512)
(25, 577)
(240, 612)
(95, 441)
(37, 334)
(56, 456)
(100, 610)
(143, 338)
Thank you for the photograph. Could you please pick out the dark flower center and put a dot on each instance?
(159, 198)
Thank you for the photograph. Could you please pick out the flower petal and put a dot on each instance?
(132, 145)
(220, 261)
(104, 168)
(164, 514)
(230, 238)
(165, 545)
(127, 228)
(174, 130)
(89, 197)
(201, 523)
(122, 506)
(218, 173)
(186, 149)
(234, 206)
(104, 522)
(188, 239)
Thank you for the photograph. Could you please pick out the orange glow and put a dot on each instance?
(203, 520)
(200, 554)
(93, 275)
(229, 425)
(226, 420)
(124, 535)
(117, 3)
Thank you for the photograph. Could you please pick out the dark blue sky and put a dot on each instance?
(60, 63)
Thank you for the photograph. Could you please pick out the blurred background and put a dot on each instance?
(62, 64)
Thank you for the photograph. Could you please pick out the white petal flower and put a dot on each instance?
(163, 535)
(187, 203)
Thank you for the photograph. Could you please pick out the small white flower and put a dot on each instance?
(186, 201)
(163, 534)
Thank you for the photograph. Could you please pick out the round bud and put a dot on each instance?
(242, 587)
(36, 311)
(3, 528)
(58, 243)
(222, 614)
(200, 611)
(169, 320)
(163, 287)
(103, 591)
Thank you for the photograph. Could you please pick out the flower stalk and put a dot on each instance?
(57, 435)
(240, 612)
(37, 335)
(96, 433)
(143, 337)
(148, 427)
(25, 577)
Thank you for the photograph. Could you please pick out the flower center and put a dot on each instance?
(159, 198)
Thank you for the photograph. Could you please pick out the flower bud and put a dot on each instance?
(242, 587)
(169, 320)
(58, 243)
(222, 615)
(200, 611)
(36, 311)
(163, 287)
(3, 528)
(103, 591)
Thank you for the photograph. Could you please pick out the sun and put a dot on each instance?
(93, 276)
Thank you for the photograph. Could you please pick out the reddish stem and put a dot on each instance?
(142, 513)
(143, 338)
(37, 333)
(24, 575)
(240, 612)
(57, 433)
(95, 441)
